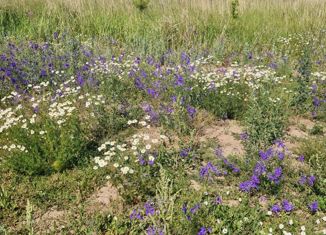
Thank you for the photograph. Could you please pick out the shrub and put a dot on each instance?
(317, 130)
(141, 4)
(235, 9)
(265, 121)
(47, 147)
(302, 87)
(314, 152)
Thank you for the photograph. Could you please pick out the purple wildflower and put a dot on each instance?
(302, 180)
(204, 171)
(80, 80)
(36, 109)
(244, 136)
(135, 215)
(185, 58)
(276, 175)
(266, 155)
(311, 180)
(195, 208)
(184, 208)
(191, 111)
(300, 158)
(152, 161)
(276, 208)
(138, 83)
(43, 73)
(185, 152)
(316, 101)
(280, 155)
(250, 55)
(235, 169)
(219, 152)
(313, 207)
(204, 231)
(314, 88)
(55, 35)
(279, 143)
(179, 80)
(152, 92)
(260, 168)
(151, 230)
(287, 206)
(218, 200)
(248, 185)
(141, 160)
(149, 209)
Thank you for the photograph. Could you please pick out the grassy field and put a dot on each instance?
(166, 24)
(176, 117)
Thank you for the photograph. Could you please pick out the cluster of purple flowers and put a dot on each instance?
(249, 185)
(149, 210)
(285, 206)
(191, 111)
(136, 214)
(185, 152)
(300, 158)
(267, 154)
(209, 168)
(192, 211)
(317, 100)
(142, 159)
(310, 180)
(154, 116)
(313, 207)
(29, 63)
(244, 136)
(204, 231)
(275, 176)
(151, 230)
(152, 78)
(260, 171)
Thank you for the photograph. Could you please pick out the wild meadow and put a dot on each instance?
(163, 117)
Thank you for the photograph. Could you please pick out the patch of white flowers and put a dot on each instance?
(123, 156)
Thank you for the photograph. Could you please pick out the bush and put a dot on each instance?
(235, 9)
(141, 4)
(314, 152)
(48, 147)
(265, 122)
(317, 130)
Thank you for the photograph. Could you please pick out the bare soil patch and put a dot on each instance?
(105, 199)
(225, 133)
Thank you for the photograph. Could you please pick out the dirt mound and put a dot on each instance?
(105, 199)
(51, 220)
(299, 127)
(226, 134)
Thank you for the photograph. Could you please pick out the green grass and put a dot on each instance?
(59, 172)
(165, 24)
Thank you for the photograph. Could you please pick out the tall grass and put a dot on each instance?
(166, 23)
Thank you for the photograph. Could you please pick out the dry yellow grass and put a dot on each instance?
(221, 6)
